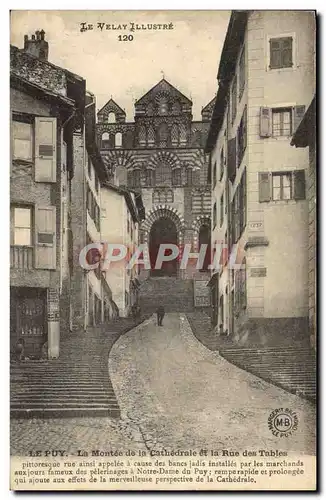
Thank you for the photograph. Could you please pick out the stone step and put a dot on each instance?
(68, 412)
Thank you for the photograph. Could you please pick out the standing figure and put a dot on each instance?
(160, 311)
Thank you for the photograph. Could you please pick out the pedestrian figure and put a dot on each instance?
(160, 311)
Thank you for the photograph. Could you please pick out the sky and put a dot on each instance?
(186, 55)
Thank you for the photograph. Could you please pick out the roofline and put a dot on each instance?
(122, 110)
(232, 42)
(77, 77)
(134, 207)
(150, 90)
(15, 78)
(217, 118)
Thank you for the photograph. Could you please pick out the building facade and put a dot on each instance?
(161, 154)
(46, 111)
(121, 214)
(266, 81)
(305, 136)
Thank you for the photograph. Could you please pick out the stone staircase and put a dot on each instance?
(76, 384)
(174, 294)
(291, 367)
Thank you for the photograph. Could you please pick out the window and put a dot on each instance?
(163, 134)
(175, 135)
(189, 176)
(242, 72)
(176, 177)
(149, 177)
(214, 215)
(163, 174)
(111, 117)
(282, 186)
(89, 165)
(142, 136)
(22, 226)
(242, 136)
(234, 99)
(118, 140)
(281, 52)
(183, 134)
(221, 163)
(163, 106)
(93, 208)
(151, 137)
(282, 122)
(105, 140)
(22, 140)
(221, 209)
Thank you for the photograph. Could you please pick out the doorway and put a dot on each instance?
(163, 231)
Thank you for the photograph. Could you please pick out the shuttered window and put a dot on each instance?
(45, 237)
(281, 52)
(282, 122)
(221, 163)
(242, 72)
(234, 99)
(22, 140)
(214, 215)
(279, 186)
(221, 209)
(242, 136)
(45, 149)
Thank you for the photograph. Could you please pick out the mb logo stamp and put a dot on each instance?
(283, 422)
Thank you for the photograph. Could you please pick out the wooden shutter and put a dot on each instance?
(264, 179)
(299, 185)
(298, 112)
(275, 53)
(45, 149)
(45, 237)
(232, 164)
(265, 122)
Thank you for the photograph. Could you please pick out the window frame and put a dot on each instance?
(281, 110)
(282, 175)
(13, 227)
(294, 46)
(27, 120)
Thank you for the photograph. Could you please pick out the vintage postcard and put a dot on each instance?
(163, 250)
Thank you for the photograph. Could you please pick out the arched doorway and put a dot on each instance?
(162, 231)
(205, 239)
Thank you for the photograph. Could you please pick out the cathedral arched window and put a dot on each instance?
(176, 107)
(175, 135)
(151, 137)
(183, 134)
(163, 106)
(189, 176)
(149, 177)
(142, 136)
(106, 140)
(163, 133)
(176, 176)
(163, 174)
(118, 140)
(111, 117)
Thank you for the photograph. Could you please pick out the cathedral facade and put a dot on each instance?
(161, 154)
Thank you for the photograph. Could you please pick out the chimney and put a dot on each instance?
(37, 46)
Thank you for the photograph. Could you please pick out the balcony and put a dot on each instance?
(21, 257)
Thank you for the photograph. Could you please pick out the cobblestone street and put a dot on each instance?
(174, 393)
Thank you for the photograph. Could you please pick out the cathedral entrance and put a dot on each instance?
(163, 231)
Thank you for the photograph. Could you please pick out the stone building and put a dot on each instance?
(47, 114)
(266, 81)
(161, 154)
